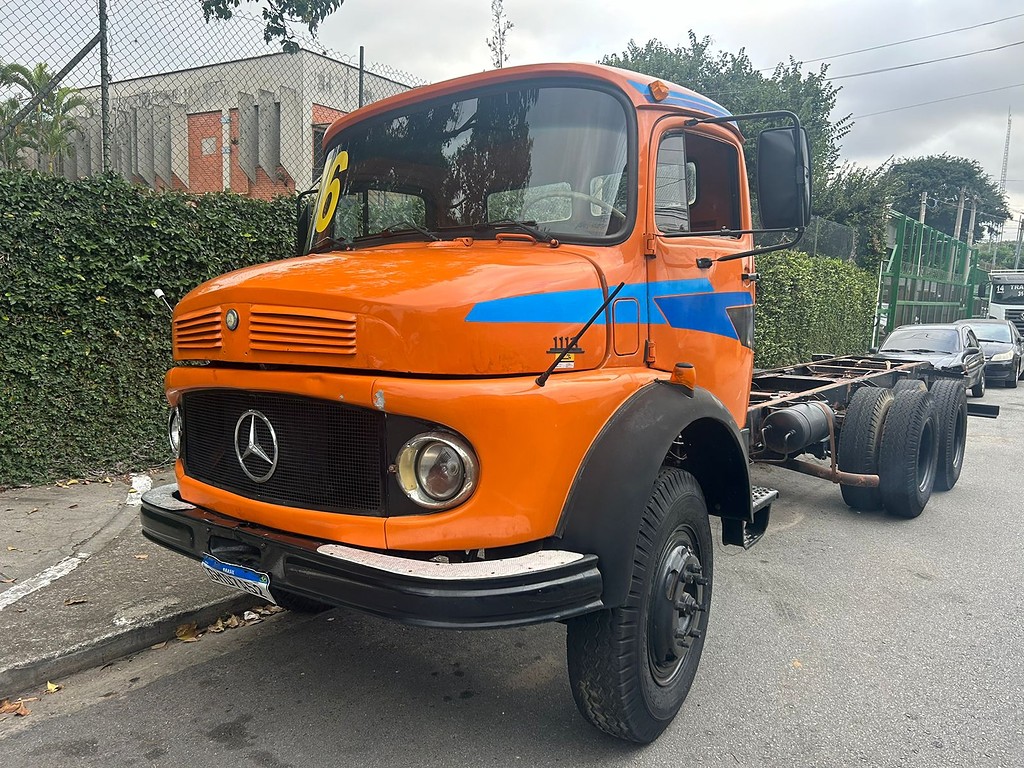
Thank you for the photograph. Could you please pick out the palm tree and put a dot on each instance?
(59, 124)
(51, 124)
(17, 140)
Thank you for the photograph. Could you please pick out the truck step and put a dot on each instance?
(761, 497)
(746, 534)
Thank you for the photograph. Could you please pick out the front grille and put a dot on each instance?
(330, 456)
(286, 329)
(198, 331)
(1017, 318)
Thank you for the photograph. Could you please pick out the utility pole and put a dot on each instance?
(924, 206)
(970, 228)
(960, 213)
(1020, 238)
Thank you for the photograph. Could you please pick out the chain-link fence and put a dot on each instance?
(188, 105)
(827, 238)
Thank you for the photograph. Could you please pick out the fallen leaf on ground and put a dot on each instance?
(142, 557)
(250, 616)
(13, 549)
(33, 510)
(268, 610)
(187, 633)
(72, 506)
(158, 646)
(233, 622)
(6, 581)
(72, 482)
(53, 687)
(797, 664)
(76, 600)
(14, 707)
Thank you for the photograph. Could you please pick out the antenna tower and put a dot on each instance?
(1006, 152)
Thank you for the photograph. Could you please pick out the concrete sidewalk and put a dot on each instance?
(80, 586)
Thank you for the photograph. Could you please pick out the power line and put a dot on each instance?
(938, 101)
(922, 63)
(910, 40)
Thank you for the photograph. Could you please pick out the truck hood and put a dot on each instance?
(457, 308)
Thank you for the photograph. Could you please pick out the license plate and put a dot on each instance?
(236, 577)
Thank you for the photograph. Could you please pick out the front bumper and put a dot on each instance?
(1001, 371)
(541, 586)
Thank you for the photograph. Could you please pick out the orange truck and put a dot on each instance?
(508, 377)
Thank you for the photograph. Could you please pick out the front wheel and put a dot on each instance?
(631, 667)
(978, 390)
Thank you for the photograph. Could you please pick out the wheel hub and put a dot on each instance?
(675, 613)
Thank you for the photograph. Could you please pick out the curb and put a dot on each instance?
(117, 644)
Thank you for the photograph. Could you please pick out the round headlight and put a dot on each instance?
(174, 430)
(437, 470)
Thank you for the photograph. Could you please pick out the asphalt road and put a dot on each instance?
(842, 639)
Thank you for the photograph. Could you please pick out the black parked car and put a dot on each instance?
(948, 347)
(1003, 348)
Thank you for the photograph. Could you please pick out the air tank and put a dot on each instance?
(793, 429)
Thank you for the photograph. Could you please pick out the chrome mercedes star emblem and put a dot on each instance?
(256, 446)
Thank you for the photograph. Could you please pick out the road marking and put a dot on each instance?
(41, 579)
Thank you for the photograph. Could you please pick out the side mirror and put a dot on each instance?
(302, 216)
(972, 351)
(783, 178)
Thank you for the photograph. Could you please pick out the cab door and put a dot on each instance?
(699, 311)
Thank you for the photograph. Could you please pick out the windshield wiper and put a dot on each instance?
(343, 245)
(529, 227)
(402, 228)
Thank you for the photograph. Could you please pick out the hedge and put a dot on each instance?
(84, 344)
(808, 305)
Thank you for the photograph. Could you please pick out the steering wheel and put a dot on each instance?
(573, 195)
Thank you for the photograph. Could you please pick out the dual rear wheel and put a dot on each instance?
(912, 438)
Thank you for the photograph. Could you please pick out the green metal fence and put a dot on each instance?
(929, 277)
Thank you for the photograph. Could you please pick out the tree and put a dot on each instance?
(49, 127)
(732, 81)
(278, 15)
(942, 177)
(12, 145)
(500, 28)
(859, 197)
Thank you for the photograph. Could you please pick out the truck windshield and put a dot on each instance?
(1008, 293)
(554, 157)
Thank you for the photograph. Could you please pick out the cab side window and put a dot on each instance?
(671, 196)
(697, 185)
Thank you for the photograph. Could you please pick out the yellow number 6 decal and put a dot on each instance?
(330, 192)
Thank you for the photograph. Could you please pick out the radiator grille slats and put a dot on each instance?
(320, 331)
(330, 455)
(198, 331)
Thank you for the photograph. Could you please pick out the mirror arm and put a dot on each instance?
(705, 263)
(751, 116)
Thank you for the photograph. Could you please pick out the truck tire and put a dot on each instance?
(631, 667)
(859, 443)
(908, 456)
(951, 415)
(909, 385)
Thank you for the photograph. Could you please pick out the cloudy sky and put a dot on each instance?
(437, 39)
